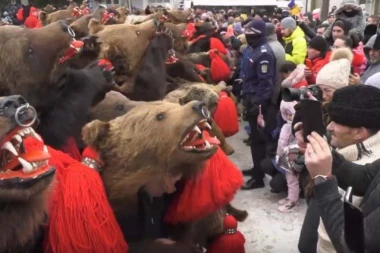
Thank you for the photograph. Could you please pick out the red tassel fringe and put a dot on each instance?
(226, 116)
(80, 217)
(71, 148)
(208, 192)
(219, 70)
(218, 45)
(232, 241)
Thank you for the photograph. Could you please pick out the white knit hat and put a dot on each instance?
(336, 73)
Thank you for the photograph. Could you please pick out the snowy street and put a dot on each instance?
(266, 229)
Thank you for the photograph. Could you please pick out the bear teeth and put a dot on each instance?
(28, 167)
(9, 146)
(196, 129)
(18, 138)
(185, 139)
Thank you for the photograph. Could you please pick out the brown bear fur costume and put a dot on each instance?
(149, 82)
(177, 29)
(139, 19)
(112, 106)
(207, 94)
(31, 67)
(80, 25)
(124, 45)
(30, 60)
(184, 69)
(89, 53)
(123, 12)
(180, 44)
(23, 196)
(203, 58)
(125, 166)
(178, 16)
(48, 18)
(49, 8)
(126, 170)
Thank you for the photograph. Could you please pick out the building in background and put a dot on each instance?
(141, 4)
(371, 6)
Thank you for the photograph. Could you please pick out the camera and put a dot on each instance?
(290, 94)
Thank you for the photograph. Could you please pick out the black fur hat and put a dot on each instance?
(356, 106)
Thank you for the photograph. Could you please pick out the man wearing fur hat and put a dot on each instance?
(332, 77)
(354, 129)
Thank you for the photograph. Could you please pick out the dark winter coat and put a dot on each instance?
(365, 181)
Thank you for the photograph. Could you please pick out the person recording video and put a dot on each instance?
(354, 112)
(328, 81)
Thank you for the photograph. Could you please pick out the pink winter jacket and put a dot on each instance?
(286, 136)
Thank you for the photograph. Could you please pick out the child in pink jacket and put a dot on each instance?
(287, 142)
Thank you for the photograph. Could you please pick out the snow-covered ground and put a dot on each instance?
(266, 229)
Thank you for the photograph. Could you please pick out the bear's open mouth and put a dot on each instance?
(74, 49)
(20, 165)
(198, 139)
(107, 16)
(171, 57)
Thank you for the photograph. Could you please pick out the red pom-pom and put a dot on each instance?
(208, 192)
(80, 217)
(232, 241)
(219, 70)
(226, 116)
(218, 45)
(230, 222)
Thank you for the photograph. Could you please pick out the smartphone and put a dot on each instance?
(353, 224)
(312, 117)
(260, 110)
(352, 71)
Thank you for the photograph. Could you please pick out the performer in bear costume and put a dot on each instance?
(91, 201)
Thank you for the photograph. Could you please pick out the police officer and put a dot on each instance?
(258, 75)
